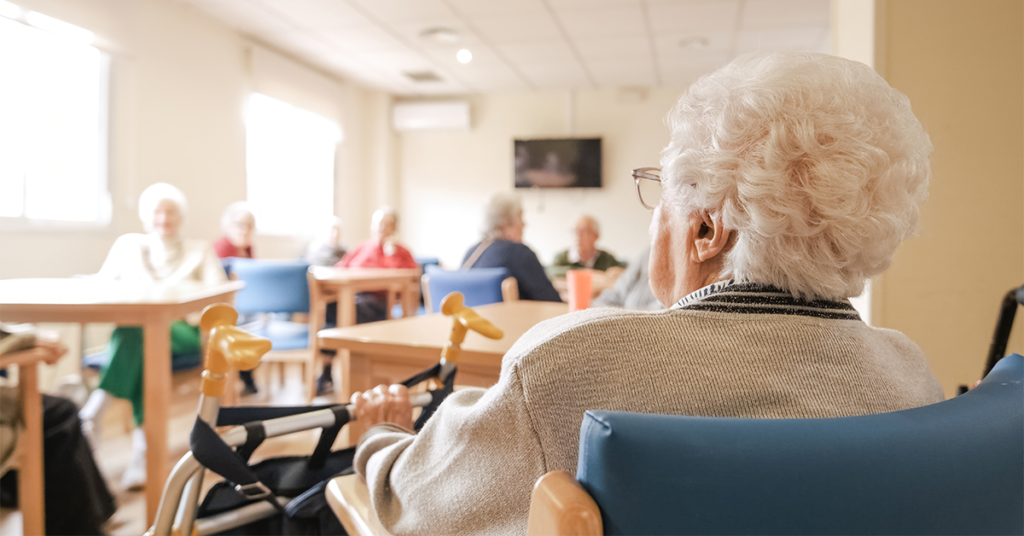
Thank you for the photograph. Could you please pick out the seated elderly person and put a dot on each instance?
(326, 249)
(789, 180)
(159, 257)
(502, 247)
(632, 290)
(584, 253)
(381, 250)
(238, 225)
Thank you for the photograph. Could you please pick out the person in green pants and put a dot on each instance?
(158, 257)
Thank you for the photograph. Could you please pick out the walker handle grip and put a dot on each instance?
(227, 346)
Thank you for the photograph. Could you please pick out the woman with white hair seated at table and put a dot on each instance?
(159, 257)
(502, 247)
(789, 180)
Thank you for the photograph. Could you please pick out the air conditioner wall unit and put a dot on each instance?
(431, 115)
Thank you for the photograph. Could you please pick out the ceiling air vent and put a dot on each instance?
(422, 76)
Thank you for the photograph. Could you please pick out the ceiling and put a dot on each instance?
(524, 44)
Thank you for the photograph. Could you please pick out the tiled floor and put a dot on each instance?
(114, 449)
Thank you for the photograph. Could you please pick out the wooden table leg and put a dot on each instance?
(30, 477)
(355, 376)
(411, 299)
(157, 389)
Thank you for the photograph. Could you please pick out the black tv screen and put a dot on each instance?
(558, 163)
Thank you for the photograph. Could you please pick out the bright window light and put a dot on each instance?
(289, 161)
(59, 27)
(53, 131)
(9, 10)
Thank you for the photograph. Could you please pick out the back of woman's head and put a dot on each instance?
(501, 211)
(815, 161)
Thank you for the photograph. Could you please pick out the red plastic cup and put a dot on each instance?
(580, 284)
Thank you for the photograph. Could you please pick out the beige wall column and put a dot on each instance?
(962, 65)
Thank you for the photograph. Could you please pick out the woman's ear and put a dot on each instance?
(711, 238)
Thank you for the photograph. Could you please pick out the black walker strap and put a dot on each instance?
(327, 437)
(255, 435)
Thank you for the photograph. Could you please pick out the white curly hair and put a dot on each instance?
(816, 163)
(154, 194)
(501, 210)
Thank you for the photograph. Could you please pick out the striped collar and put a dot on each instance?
(760, 298)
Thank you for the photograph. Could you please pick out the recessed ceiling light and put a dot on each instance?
(464, 56)
(440, 35)
(694, 43)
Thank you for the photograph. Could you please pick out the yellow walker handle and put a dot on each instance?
(464, 320)
(227, 346)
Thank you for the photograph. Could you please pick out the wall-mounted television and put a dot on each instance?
(558, 163)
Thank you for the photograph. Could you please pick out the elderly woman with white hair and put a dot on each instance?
(502, 247)
(789, 180)
(159, 257)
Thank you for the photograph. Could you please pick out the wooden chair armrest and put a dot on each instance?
(510, 290)
(349, 499)
(47, 354)
(559, 506)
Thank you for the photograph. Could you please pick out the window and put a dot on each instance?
(53, 115)
(289, 161)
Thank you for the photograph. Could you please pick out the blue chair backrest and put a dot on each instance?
(955, 467)
(271, 286)
(480, 286)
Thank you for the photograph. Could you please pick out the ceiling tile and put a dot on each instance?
(789, 39)
(484, 58)
(544, 51)
(491, 8)
(494, 79)
(682, 70)
(786, 13)
(717, 16)
(363, 39)
(603, 22)
(394, 11)
(619, 67)
(399, 60)
(255, 20)
(549, 75)
(625, 79)
(516, 29)
(613, 47)
(315, 14)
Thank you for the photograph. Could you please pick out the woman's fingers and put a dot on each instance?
(383, 404)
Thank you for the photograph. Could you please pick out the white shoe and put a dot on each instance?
(134, 478)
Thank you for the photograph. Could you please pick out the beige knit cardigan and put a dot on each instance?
(472, 467)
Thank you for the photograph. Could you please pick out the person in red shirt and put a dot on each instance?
(238, 225)
(380, 251)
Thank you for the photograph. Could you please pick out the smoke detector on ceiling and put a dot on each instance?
(440, 35)
(696, 42)
(422, 76)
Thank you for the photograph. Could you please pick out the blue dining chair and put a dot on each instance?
(274, 290)
(480, 286)
(954, 467)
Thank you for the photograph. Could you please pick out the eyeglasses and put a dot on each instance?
(648, 186)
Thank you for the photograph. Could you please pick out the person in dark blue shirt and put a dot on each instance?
(502, 247)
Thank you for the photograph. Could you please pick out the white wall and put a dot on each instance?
(446, 177)
(179, 86)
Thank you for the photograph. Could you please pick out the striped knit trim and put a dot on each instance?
(759, 298)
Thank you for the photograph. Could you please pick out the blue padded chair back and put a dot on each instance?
(955, 467)
(480, 286)
(271, 286)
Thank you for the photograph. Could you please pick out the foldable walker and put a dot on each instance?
(228, 346)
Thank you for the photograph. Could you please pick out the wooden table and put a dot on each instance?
(340, 285)
(130, 304)
(392, 350)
